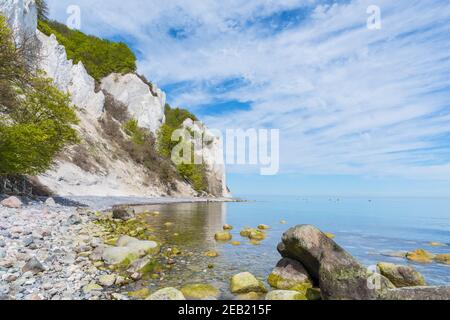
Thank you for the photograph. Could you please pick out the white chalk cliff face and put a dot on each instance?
(21, 16)
(110, 173)
(145, 106)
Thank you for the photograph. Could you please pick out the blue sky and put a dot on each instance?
(360, 111)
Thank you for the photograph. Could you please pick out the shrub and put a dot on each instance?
(35, 117)
(100, 57)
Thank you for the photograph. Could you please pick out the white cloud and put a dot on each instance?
(347, 99)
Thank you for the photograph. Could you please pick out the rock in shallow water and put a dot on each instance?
(420, 256)
(167, 294)
(285, 295)
(245, 282)
(401, 276)
(200, 292)
(290, 275)
(123, 213)
(223, 236)
(339, 274)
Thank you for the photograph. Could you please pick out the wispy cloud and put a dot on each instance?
(348, 100)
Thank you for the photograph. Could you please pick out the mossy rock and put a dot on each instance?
(246, 232)
(263, 227)
(119, 255)
(285, 295)
(443, 258)
(235, 243)
(227, 227)
(257, 235)
(200, 292)
(167, 294)
(401, 276)
(245, 282)
(139, 294)
(223, 236)
(420, 256)
(212, 254)
(290, 275)
(92, 287)
(330, 235)
(250, 296)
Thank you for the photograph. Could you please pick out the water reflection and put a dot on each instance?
(189, 224)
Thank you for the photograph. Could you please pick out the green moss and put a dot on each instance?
(200, 291)
(139, 294)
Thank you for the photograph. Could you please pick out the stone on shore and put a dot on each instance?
(123, 213)
(420, 256)
(33, 265)
(50, 202)
(167, 294)
(285, 295)
(245, 282)
(211, 254)
(89, 288)
(12, 202)
(107, 280)
(401, 276)
(341, 277)
(223, 236)
(200, 292)
(442, 258)
(139, 294)
(290, 275)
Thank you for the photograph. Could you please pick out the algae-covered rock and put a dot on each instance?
(401, 276)
(257, 235)
(330, 235)
(420, 256)
(417, 293)
(283, 221)
(119, 255)
(285, 295)
(443, 258)
(340, 276)
(142, 266)
(437, 244)
(263, 227)
(246, 232)
(290, 275)
(235, 243)
(212, 254)
(107, 280)
(123, 240)
(200, 292)
(123, 213)
(139, 294)
(227, 227)
(245, 282)
(143, 247)
(223, 236)
(167, 294)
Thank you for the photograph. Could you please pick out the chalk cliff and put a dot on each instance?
(98, 166)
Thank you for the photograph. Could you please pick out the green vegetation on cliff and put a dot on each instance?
(35, 117)
(100, 57)
(194, 173)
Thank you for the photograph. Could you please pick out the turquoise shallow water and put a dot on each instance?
(364, 227)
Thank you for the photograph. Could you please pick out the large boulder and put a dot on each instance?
(167, 294)
(340, 276)
(12, 202)
(401, 276)
(245, 282)
(290, 275)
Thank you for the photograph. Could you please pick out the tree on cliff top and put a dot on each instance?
(42, 10)
(35, 117)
